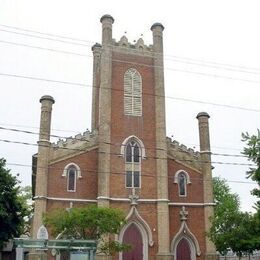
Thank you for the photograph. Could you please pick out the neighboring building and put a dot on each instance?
(164, 188)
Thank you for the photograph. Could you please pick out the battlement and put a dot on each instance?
(182, 153)
(73, 145)
(138, 45)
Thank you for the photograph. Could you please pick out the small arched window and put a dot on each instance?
(182, 179)
(132, 93)
(133, 164)
(72, 173)
(182, 184)
(71, 178)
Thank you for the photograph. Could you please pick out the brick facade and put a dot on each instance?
(162, 215)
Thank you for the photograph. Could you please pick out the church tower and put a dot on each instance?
(129, 111)
(127, 162)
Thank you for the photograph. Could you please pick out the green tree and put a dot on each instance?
(231, 228)
(90, 222)
(226, 215)
(25, 197)
(252, 151)
(12, 209)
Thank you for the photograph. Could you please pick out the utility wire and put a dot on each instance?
(144, 93)
(48, 34)
(76, 132)
(172, 57)
(112, 144)
(117, 154)
(43, 48)
(174, 60)
(42, 37)
(143, 174)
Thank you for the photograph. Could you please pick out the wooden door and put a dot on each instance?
(183, 250)
(133, 237)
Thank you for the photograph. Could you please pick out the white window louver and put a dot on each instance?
(132, 93)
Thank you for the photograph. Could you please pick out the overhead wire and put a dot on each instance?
(113, 144)
(172, 57)
(144, 93)
(77, 132)
(123, 173)
(118, 154)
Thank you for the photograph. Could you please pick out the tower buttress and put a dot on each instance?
(42, 162)
(205, 155)
(161, 145)
(96, 49)
(104, 123)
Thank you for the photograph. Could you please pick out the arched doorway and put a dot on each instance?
(183, 251)
(133, 236)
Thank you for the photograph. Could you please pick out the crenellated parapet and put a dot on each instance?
(183, 154)
(70, 146)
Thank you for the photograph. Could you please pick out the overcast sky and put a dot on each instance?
(212, 63)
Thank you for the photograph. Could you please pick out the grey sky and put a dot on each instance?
(211, 55)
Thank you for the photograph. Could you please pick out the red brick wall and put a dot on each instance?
(123, 126)
(86, 187)
(194, 189)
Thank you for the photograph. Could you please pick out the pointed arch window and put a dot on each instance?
(133, 164)
(182, 179)
(72, 173)
(132, 93)
(71, 178)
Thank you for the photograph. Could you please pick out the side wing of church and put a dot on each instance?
(126, 161)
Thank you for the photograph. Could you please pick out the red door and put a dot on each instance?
(183, 250)
(133, 237)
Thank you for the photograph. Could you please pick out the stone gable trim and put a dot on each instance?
(171, 157)
(195, 204)
(64, 199)
(176, 204)
(63, 158)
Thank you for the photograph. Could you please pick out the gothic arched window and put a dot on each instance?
(182, 179)
(72, 173)
(133, 164)
(132, 93)
(182, 184)
(71, 178)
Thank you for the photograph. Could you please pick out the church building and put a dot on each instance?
(126, 161)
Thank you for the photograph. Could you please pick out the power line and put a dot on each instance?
(77, 132)
(113, 144)
(43, 48)
(187, 62)
(172, 57)
(143, 174)
(89, 86)
(42, 37)
(48, 34)
(213, 62)
(118, 154)
(34, 127)
(215, 67)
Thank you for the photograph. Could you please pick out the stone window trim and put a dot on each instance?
(132, 164)
(137, 140)
(132, 93)
(187, 181)
(66, 174)
(185, 233)
(66, 168)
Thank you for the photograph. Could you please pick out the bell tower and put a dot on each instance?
(129, 104)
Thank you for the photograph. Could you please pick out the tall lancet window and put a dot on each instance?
(182, 178)
(71, 172)
(132, 93)
(133, 164)
(182, 184)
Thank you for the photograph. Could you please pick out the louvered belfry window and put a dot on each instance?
(132, 93)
